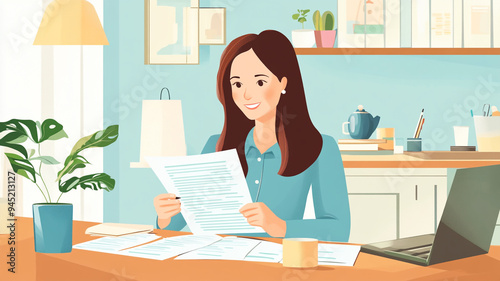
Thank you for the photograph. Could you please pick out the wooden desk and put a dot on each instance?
(86, 265)
(426, 159)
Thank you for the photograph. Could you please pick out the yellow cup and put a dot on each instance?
(300, 252)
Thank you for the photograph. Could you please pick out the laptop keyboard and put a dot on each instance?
(421, 251)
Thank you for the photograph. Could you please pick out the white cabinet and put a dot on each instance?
(394, 203)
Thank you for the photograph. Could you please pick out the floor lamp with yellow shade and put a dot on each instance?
(71, 22)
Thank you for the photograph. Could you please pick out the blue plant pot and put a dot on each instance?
(53, 227)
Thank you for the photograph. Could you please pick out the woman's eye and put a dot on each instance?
(261, 82)
(237, 84)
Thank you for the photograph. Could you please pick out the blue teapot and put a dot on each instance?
(361, 124)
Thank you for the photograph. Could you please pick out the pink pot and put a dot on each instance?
(325, 38)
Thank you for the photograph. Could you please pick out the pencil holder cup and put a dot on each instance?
(414, 144)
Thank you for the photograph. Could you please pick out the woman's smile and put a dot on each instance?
(253, 105)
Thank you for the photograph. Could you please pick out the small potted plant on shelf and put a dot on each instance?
(324, 33)
(302, 38)
(53, 221)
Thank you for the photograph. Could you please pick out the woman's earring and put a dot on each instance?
(283, 92)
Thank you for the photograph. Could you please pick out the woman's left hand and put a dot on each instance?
(258, 214)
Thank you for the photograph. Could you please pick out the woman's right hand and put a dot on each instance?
(166, 207)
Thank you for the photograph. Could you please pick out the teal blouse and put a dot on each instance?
(286, 196)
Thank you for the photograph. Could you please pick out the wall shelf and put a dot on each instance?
(397, 51)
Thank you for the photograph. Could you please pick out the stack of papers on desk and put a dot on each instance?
(117, 229)
(212, 247)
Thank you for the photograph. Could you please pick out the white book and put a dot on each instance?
(351, 23)
(358, 147)
(442, 23)
(477, 23)
(375, 24)
(420, 24)
(392, 24)
(406, 18)
(458, 31)
(496, 23)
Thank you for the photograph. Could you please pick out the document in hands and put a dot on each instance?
(212, 188)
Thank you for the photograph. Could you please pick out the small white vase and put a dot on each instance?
(303, 38)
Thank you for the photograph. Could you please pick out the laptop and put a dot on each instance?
(466, 227)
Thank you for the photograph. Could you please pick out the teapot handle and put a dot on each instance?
(343, 128)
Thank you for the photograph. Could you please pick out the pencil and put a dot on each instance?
(418, 124)
(420, 130)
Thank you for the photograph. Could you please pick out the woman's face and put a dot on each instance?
(255, 89)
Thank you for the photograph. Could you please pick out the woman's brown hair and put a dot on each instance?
(299, 141)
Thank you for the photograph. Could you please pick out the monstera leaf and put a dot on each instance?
(20, 130)
(21, 166)
(52, 130)
(99, 139)
(94, 181)
(71, 165)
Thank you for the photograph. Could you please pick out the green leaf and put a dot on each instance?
(302, 20)
(71, 164)
(21, 166)
(94, 181)
(307, 11)
(49, 160)
(59, 135)
(51, 129)
(16, 147)
(32, 152)
(20, 139)
(98, 139)
(23, 127)
(295, 16)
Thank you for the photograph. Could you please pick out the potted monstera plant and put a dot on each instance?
(53, 221)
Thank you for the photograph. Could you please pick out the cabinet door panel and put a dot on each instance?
(417, 207)
(374, 217)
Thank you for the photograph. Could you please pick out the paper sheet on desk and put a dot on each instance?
(171, 247)
(115, 244)
(228, 248)
(337, 254)
(212, 188)
(266, 252)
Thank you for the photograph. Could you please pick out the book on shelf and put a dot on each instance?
(477, 23)
(406, 24)
(420, 23)
(393, 23)
(496, 23)
(458, 14)
(441, 23)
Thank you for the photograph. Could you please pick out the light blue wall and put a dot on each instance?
(394, 87)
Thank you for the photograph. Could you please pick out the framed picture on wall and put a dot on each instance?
(212, 26)
(171, 34)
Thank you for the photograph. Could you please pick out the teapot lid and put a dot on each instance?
(361, 109)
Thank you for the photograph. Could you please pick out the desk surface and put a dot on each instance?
(426, 159)
(86, 265)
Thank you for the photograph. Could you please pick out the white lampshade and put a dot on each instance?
(162, 130)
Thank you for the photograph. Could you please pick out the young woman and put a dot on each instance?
(282, 154)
